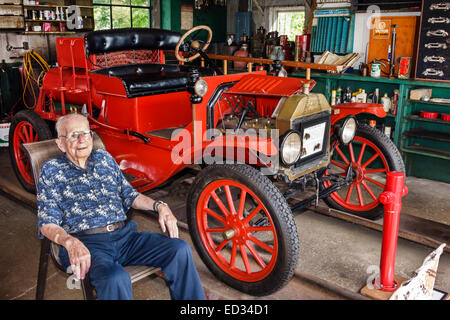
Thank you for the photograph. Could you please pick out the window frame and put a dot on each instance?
(273, 14)
(130, 6)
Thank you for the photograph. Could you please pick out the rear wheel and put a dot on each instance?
(26, 126)
(243, 229)
(372, 154)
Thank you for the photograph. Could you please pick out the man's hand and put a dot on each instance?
(167, 219)
(79, 255)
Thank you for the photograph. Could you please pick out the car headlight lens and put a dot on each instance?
(201, 87)
(291, 147)
(347, 130)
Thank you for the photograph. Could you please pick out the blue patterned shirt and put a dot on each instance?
(77, 199)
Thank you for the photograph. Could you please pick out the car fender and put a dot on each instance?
(342, 110)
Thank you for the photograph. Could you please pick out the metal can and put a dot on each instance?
(375, 70)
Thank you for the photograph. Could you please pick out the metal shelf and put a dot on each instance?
(428, 134)
(43, 20)
(52, 6)
(50, 32)
(419, 118)
(427, 151)
(432, 103)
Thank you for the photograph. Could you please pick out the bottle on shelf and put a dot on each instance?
(395, 102)
(388, 131)
(386, 101)
(362, 96)
(376, 96)
(348, 95)
(333, 97)
(339, 96)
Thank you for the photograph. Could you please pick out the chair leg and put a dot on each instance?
(43, 266)
(88, 289)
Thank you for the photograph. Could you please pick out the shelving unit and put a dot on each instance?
(57, 26)
(423, 142)
(11, 14)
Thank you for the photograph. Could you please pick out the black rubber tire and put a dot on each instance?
(393, 159)
(279, 211)
(43, 132)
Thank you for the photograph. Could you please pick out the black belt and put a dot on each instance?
(108, 228)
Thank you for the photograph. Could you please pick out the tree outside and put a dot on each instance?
(125, 14)
(291, 23)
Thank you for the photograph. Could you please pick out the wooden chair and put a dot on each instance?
(38, 153)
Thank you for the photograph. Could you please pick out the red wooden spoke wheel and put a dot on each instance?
(26, 127)
(372, 155)
(231, 228)
(243, 228)
(24, 133)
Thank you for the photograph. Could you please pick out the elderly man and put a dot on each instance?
(82, 200)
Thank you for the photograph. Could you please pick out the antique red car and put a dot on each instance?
(260, 139)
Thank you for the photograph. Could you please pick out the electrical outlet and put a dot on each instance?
(25, 45)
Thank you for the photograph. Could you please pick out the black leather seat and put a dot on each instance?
(141, 79)
(148, 79)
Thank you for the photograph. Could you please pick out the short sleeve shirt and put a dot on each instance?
(78, 199)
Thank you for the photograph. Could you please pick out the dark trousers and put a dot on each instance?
(112, 250)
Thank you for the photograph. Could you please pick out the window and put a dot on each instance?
(115, 14)
(288, 21)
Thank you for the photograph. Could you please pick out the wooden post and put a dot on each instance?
(249, 66)
(225, 67)
(308, 74)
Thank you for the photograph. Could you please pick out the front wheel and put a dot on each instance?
(26, 126)
(243, 228)
(372, 154)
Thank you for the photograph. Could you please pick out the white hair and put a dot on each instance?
(59, 123)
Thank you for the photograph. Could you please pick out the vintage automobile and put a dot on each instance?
(259, 140)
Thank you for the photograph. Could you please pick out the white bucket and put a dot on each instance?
(4, 133)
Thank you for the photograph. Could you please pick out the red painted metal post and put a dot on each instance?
(392, 200)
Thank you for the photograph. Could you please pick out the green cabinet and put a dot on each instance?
(423, 142)
(213, 16)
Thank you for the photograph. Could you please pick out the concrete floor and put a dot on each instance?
(333, 250)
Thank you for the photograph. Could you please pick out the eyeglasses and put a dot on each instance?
(75, 135)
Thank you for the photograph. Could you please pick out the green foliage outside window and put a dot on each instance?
(123, 13)
(102, 18)
(140, 17)
(291, 23)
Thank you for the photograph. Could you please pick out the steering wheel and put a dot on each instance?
(195, 44)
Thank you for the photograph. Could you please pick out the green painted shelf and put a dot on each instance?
(417, 138)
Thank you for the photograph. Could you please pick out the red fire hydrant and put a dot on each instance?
(391, 198)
